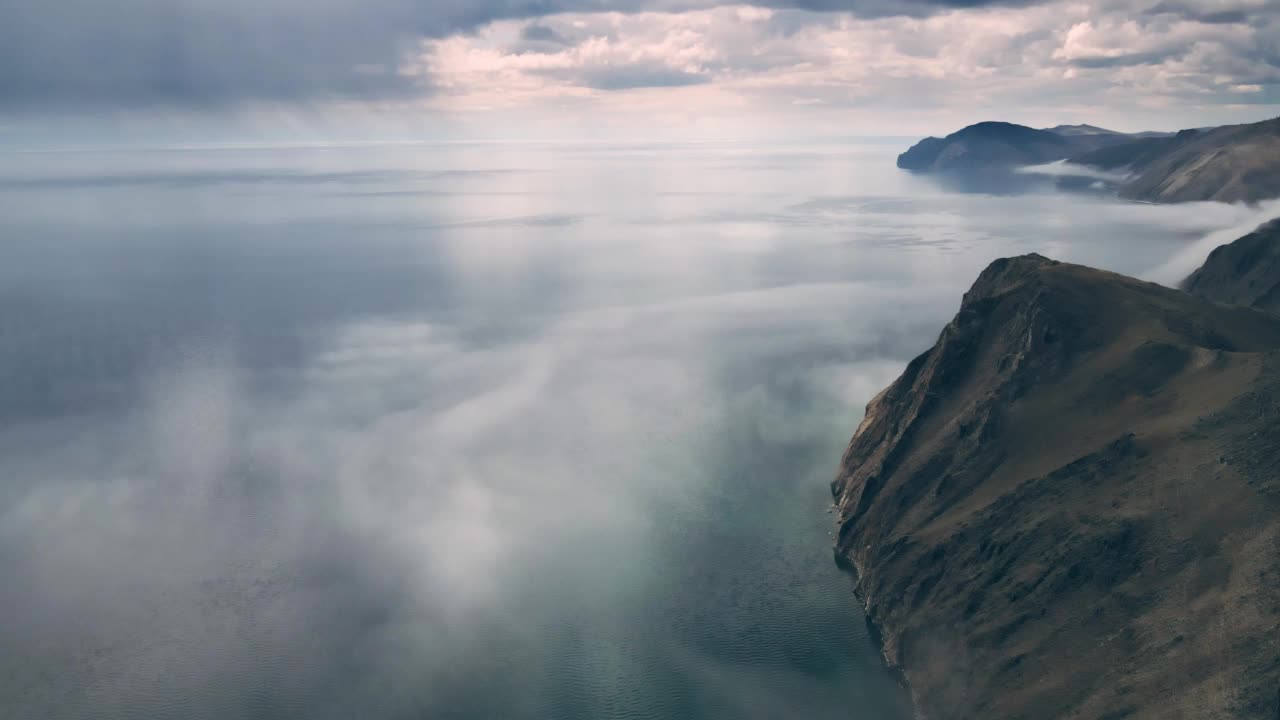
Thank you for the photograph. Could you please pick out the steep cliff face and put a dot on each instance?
(1067, 508)
(1245, 272)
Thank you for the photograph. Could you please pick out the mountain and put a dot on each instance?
(1095, 130)
(1245, 272)
(1231, 163)
(999, 144)
(1137, 154)
(1081, 130)
(1068, 508)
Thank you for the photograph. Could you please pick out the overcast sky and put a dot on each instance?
(574, 68)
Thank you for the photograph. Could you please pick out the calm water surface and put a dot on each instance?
(467, 431)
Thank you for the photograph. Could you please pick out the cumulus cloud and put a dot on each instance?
(1114, 41)
(839, 66)
(1065, 59)
(80, 53)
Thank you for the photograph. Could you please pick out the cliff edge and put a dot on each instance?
(1067, 507)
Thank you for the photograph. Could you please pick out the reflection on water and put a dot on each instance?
(466, 431)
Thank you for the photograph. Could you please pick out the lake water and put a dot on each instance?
(468, 431)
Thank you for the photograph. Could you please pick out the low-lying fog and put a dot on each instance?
(469, 431)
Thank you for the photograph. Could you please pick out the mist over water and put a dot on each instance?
(468, 431)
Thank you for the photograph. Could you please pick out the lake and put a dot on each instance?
(492, 430)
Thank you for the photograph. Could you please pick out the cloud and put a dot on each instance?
(1209, 11)
(1066, 60)
(1062, 168)
(1242, 221)
(892, 64)
(80, 54)
(535, 33)
(83, 54)
(409, 507)
(1112, 42)
(428, 467)
(635, 76)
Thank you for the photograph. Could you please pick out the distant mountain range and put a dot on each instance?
(1072, 130)
(1001, 144)
(1230, 163)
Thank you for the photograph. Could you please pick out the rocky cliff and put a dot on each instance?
(1068, 506)
(1245, 272)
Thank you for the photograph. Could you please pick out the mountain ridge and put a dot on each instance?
(1048, 505)
(999, 144)
(1231, 163)
(1243, 272)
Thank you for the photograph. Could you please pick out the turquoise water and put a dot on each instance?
(467, 431)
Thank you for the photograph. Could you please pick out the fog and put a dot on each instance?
(1185, 261)
(470, 430)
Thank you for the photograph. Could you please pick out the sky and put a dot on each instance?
(592, 69)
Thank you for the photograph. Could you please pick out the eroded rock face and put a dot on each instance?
(1068, 506)
(1245, 272)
